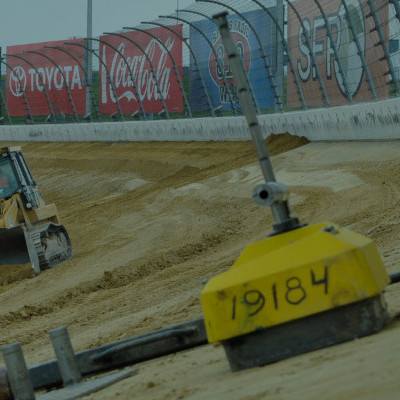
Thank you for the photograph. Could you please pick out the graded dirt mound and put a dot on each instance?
(137, 164)
(280, 143)
(150, 221)
(14, 273)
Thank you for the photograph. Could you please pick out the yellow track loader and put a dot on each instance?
(30, 229)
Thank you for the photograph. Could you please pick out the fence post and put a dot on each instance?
(382, 42)
(279, 50)
(1, 81)
(17, 370)
(88, 58)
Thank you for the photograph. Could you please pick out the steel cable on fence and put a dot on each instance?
(354, 48)
(369, 50)
(165, 108)
(63, 76)
(49, 103)
(372, 55)
(3, 101)
(173, 62)
(30, 117)
(335, 51)
(94, 102)
(352, 25)
(212, 49)
(107, 71)
(287, 50)
(194, 59)
(130, 72)
(251, 91)
(278, 99)
(396, 17)
(386, 25)
(312, 54)
(382, 42)
(382, 58)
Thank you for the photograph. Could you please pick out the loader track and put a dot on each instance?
(52, 246)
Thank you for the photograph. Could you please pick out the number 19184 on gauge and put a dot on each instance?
(292, 291)
(292, 276)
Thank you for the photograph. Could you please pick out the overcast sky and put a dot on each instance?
(31, 21)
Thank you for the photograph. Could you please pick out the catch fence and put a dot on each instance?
(297, 55)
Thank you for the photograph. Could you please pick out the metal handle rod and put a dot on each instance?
(247, 105)
(65, 356)
(280, 210)
(18, 375)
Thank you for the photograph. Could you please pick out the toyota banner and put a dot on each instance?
(139, 67)
(210, 65)
(46, 78)
(344, 24)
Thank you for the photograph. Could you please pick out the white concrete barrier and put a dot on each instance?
(367, 121)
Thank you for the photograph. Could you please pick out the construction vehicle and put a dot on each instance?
(30, 229)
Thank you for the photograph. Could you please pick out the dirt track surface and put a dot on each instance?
(150, 221)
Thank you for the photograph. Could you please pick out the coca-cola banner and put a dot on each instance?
(45, 79)
(139, 67)
(254, 37)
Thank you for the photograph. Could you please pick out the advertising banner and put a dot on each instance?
(338, 19)
(140, 66)
(207, 47)
(45, 75)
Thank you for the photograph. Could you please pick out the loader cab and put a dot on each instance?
(18, 177)
(8, 180)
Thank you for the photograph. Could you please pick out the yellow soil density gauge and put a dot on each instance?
(289, 276)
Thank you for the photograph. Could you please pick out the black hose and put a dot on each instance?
(394, 278)
(137, 342)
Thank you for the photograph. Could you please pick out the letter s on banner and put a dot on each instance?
(304, 72)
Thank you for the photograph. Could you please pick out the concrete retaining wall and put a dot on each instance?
(368, 121)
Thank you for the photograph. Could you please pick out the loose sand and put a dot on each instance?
(150, 221)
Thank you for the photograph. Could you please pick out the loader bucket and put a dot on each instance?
(16, 247)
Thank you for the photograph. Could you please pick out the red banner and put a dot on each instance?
(140, 67)
(313, 25)
(45, 78)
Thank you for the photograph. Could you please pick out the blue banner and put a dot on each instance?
(210, 74)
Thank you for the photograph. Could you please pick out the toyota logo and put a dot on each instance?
(17, 83)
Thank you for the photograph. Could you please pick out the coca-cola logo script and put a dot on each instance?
(140, 69)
